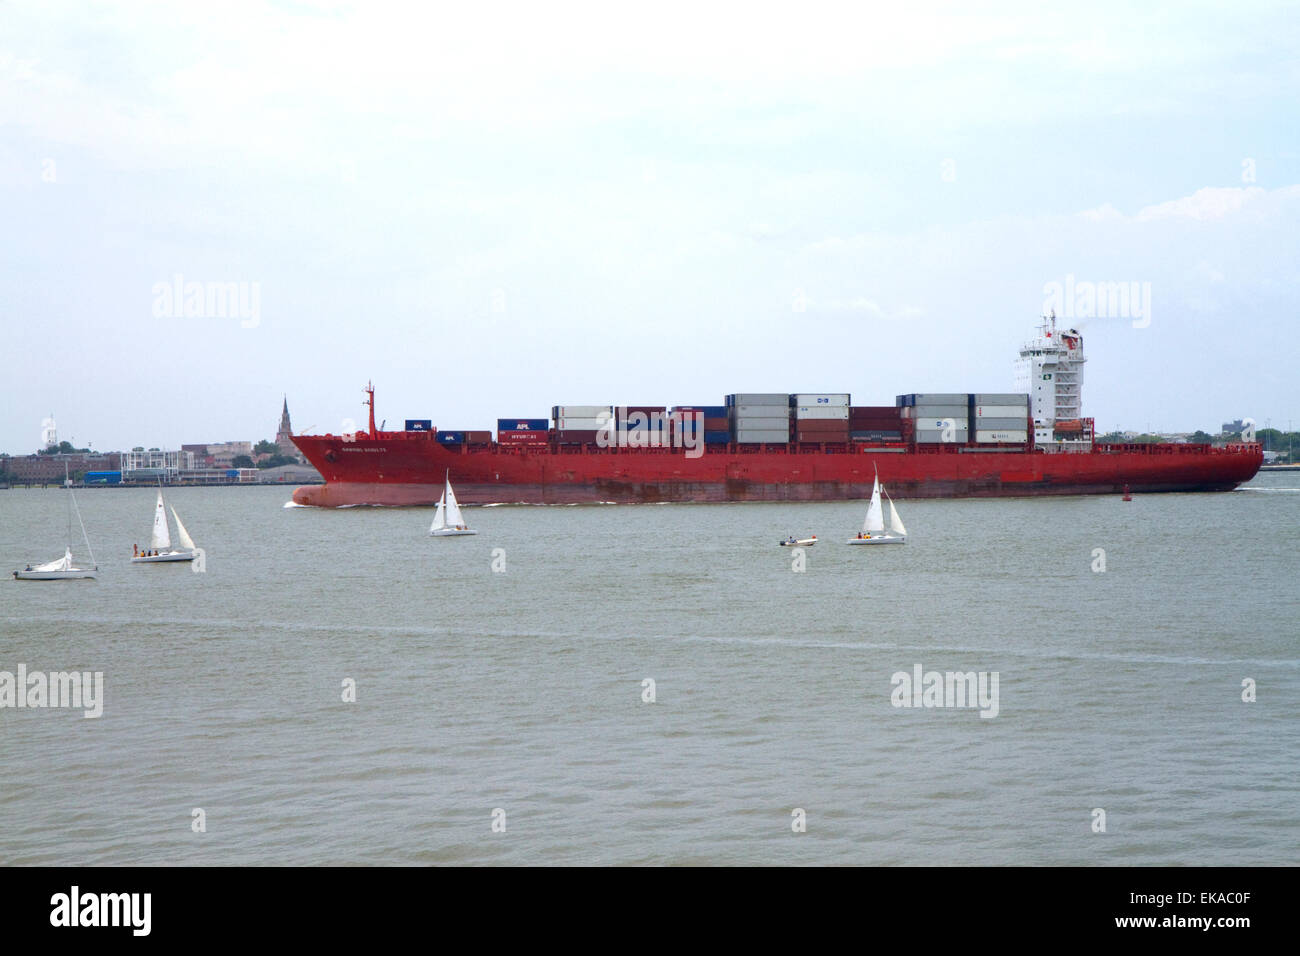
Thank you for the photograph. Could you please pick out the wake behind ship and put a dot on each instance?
(778, 447)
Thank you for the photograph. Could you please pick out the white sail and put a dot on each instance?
(875, 523)
(454, 518)
(186, 541)
(62, 564)
(895, 522)
(440, 516)
(161, 539)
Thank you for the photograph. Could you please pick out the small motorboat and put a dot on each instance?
(793, 542)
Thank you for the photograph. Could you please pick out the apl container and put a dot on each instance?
(451, 437)
(419, 424)
(523, 424)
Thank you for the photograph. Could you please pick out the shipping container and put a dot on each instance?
(761, 424)
(755, 436)
(523, 424)
(933, 398)
(576, 436)
(823, 399)
(936, 436)
(582, 424)
(1002, 411)
(1019, 399)
(1018, 437)
(752, 410)
(998, 424)
(882, 435)
(629, 410)
(451, 437)
(103, 478)
(758, 398)
(715, 424)
(579, 411)
(822, 413)
(822, 425)
(709, 411)
(527, 437)
(478, 437)
(717, 438)
(419, 424)
(803, 436)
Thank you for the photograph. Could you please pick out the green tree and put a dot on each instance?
(266, 448)
(275, 461)
(241, 461)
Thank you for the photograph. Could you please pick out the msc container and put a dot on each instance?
(576, 436)
(1001, 424)
(523, 424)
(763, 436)
(1001, 411)
(758, 398)
(1019, 399)
(451, 437)
(419, 424)
(1018, 437)
(526, 437)
(822, 412)
(815, 398)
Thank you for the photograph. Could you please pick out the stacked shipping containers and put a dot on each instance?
(759, 418)
(523, 431)
(935, 413)
(1000, 417)
(820, 417)
(716, 429)
(578, 424)
(875, 423)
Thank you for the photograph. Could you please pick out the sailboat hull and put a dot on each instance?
(70, 574)
(451, 532)
(164, 557)
(877, 539)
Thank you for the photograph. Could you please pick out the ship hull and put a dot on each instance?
(400, 469)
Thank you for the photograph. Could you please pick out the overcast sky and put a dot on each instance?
(492, 209)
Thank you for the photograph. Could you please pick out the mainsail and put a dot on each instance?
(454, 517)
(875, 523)
(161, 539)
(186, 541)
(62, 564)
(440, 516)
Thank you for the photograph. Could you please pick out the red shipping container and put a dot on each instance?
(478, 438)
(576, 436)
(716, 424)
(521, 438)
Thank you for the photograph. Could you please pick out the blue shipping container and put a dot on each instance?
(451, 438)
(232, 472)
(523, 424)
(103, 478)
(717, 438)
(419, 424)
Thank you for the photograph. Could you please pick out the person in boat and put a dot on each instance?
(135, 551)
(28, 568)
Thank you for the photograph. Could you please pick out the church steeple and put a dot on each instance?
(284, 435)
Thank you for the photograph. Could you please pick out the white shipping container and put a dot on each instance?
(1001, 411)
(582, 424)
(581, 411)
(822, 412)
(1018, 437)
(760, 411)
(813, 398)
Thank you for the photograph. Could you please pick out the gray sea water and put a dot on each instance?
(521, 689)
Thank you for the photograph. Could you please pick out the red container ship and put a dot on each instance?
(1036, 443)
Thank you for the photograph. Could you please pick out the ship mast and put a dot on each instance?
(370, 400)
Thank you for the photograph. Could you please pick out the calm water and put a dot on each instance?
(522, 690)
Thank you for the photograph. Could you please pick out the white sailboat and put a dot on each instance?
(873, 528)
(64, 568)
(447, 520)
(160, 548)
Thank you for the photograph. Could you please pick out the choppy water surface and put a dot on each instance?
(522, 689)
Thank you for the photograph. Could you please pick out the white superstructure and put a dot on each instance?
(1050, 369)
